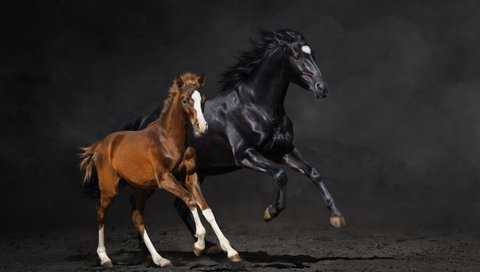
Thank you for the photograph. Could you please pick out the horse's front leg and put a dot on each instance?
(252, 159)
(295, 161)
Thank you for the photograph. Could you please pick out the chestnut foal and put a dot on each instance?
(154, 158)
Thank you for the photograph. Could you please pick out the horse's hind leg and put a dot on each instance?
(140, 197)
(108, 181)
(194, 188)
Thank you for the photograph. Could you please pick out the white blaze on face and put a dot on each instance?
(306, 49)
(197, 105)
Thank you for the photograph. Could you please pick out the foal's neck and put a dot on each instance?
(173, 123)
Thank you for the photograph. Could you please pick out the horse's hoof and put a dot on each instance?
(266, 214)
(337, 221)
(213, 249)
(235, 258)
(107, 264)
(197, 251)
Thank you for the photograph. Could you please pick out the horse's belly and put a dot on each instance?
(213, 158)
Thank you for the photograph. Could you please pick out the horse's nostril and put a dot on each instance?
(206, 125)
(320, 86)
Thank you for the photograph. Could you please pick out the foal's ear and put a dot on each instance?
(201, 79)
(179, 81)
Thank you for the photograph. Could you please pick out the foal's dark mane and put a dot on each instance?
(250, 59)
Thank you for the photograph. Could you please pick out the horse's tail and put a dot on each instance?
(87, 163)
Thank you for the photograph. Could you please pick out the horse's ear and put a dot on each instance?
(179, 81)
(201, 80)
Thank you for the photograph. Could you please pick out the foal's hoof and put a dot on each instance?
(165, 263)
(266, 214)
(107, 264)
(337, 221)
(197, 251)
(234, 258)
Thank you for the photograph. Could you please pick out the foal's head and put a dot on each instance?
(193, 100)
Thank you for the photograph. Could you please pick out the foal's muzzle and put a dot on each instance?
(199, 130)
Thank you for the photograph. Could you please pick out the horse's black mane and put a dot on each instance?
(249, 60)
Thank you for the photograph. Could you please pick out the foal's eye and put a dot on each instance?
(185, 101)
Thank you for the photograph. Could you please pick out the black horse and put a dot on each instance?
(247, 123)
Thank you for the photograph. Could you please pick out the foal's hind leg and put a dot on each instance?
(108, 182)
(140, 196)
(140, 207)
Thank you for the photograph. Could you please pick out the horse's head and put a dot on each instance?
(193, 100)
(301, 67)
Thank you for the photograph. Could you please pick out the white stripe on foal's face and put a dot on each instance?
(306, 49)
(197, 105)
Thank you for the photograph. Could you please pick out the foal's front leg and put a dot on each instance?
(170, 184)
(295, 161)
(193, 186)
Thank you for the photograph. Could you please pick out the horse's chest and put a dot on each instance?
(279, 140)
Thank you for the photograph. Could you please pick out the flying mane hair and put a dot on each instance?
(250, 59)
(175, 89)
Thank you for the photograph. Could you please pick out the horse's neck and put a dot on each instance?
(268, 85)
(173, 124)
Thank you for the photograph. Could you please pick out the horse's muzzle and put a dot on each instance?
(320, 90)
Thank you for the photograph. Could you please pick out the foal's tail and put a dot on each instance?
(87, 157)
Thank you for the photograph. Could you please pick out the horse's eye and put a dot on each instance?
(295, 55)
(185, 101)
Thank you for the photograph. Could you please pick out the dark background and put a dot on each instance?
(397, 140)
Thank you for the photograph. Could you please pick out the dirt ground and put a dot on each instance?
(263, 247)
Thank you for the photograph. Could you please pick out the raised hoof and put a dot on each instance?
(337, 221)
(266, 215)
(107, 264)
(235, 258)
(197, 251)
